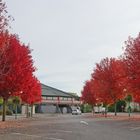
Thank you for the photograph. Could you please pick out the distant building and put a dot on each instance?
(56, 101)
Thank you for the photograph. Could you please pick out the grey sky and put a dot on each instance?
(69, 36)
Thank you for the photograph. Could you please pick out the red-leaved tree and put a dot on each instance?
(132, 62)
(16, 66)
(88, 93)
(31, 93)
(109, 80)
(4, 17)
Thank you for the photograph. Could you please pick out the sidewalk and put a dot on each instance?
(22, 121)
(12, 117)
(120, 116)
(23, 116)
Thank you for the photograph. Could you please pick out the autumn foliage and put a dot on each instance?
(16, 66)
(16, 70)
(108, 76)
(88, 94)
(4, 17)
(132, 61)
(113, 79)
(32, 91)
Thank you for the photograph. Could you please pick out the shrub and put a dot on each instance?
(8, 112)
(136, 110)
(120, 103)
(0, 112)
(111, 108)
(85, 108)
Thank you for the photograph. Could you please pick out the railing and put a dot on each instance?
(69, 102)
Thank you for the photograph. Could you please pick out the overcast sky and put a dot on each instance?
(69, 36)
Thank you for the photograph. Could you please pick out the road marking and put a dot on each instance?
(53, 138)
(84, 122)
(63, 131)
(25, 135)
(135, 128)
(49, 138)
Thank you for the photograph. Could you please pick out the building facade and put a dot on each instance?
(56, 101)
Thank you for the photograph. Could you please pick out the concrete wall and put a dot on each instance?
(50, 108)
(24, 109)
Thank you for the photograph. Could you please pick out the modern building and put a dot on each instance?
(56, 101)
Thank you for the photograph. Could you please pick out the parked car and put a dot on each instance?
(76, 112)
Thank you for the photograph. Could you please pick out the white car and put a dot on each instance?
(76, 112)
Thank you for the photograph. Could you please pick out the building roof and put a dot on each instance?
(53, 92)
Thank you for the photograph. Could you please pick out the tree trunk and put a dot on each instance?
(93, 110)
(32, 110)
(15, 111)
(27, 111)
(4, 110)
(105, 111)
(115, 109)
(129, 110)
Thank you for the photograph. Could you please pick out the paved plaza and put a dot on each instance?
(72, 127)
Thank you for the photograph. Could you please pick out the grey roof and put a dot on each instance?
(53, 92)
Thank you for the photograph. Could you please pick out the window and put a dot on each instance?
(54, 98)
(60, 98)
(44, 97)
(65, 98)
(49, 98)
(69, 99)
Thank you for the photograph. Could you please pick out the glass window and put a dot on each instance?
(65, 98)
(54, 98)
(44, 97)
(69, 99)
(60, 98)
(50, 98)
